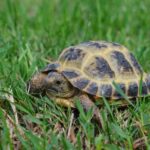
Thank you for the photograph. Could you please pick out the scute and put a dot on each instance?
(99, 69)
(72, 56)
(123, 65)
(144, 89)
(51, 66)
(93, 66)
(70, 74)
(95, 44)
(133, 89)
(80, 83)
(136, 65)
(92, 88)
(105, 90)
(122, 87)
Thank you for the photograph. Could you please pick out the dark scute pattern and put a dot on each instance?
(81, 83)
(122, 63)
(136, 64)
(73, 54)
(51, 67)
(98, 45)
(148, 82)
(122, 87)
(70, 74)
(133, 90)
(144, 89)
(92, 88)
(106, 90)
(102, 68)
(95, 44)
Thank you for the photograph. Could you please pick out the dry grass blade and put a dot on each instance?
(10, 98)
(70, 125)
(12, 130)
(71, 135)
(140, 143)
(58, 128)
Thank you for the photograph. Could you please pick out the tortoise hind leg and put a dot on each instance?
(87, 104)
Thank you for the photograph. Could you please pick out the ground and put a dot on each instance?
(32, 34)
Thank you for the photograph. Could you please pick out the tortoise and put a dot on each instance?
(87, 71)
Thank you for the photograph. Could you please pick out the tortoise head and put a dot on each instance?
(36, 85)
(50, 81)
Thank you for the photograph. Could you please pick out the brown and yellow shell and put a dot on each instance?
(94, 66)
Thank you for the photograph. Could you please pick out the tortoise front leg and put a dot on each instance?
(65, 102)
(85, 101)
(87, 104)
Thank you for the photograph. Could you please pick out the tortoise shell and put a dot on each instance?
(94, 66)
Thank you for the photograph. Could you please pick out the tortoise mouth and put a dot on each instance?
(52, 90)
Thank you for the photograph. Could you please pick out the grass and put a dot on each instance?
(33, 33)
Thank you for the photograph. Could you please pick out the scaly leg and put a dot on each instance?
(85, 101)
(65, 102)
(87, 104)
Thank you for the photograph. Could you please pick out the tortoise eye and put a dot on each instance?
(58, 82)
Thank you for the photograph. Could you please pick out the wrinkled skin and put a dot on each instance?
(57, 87)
